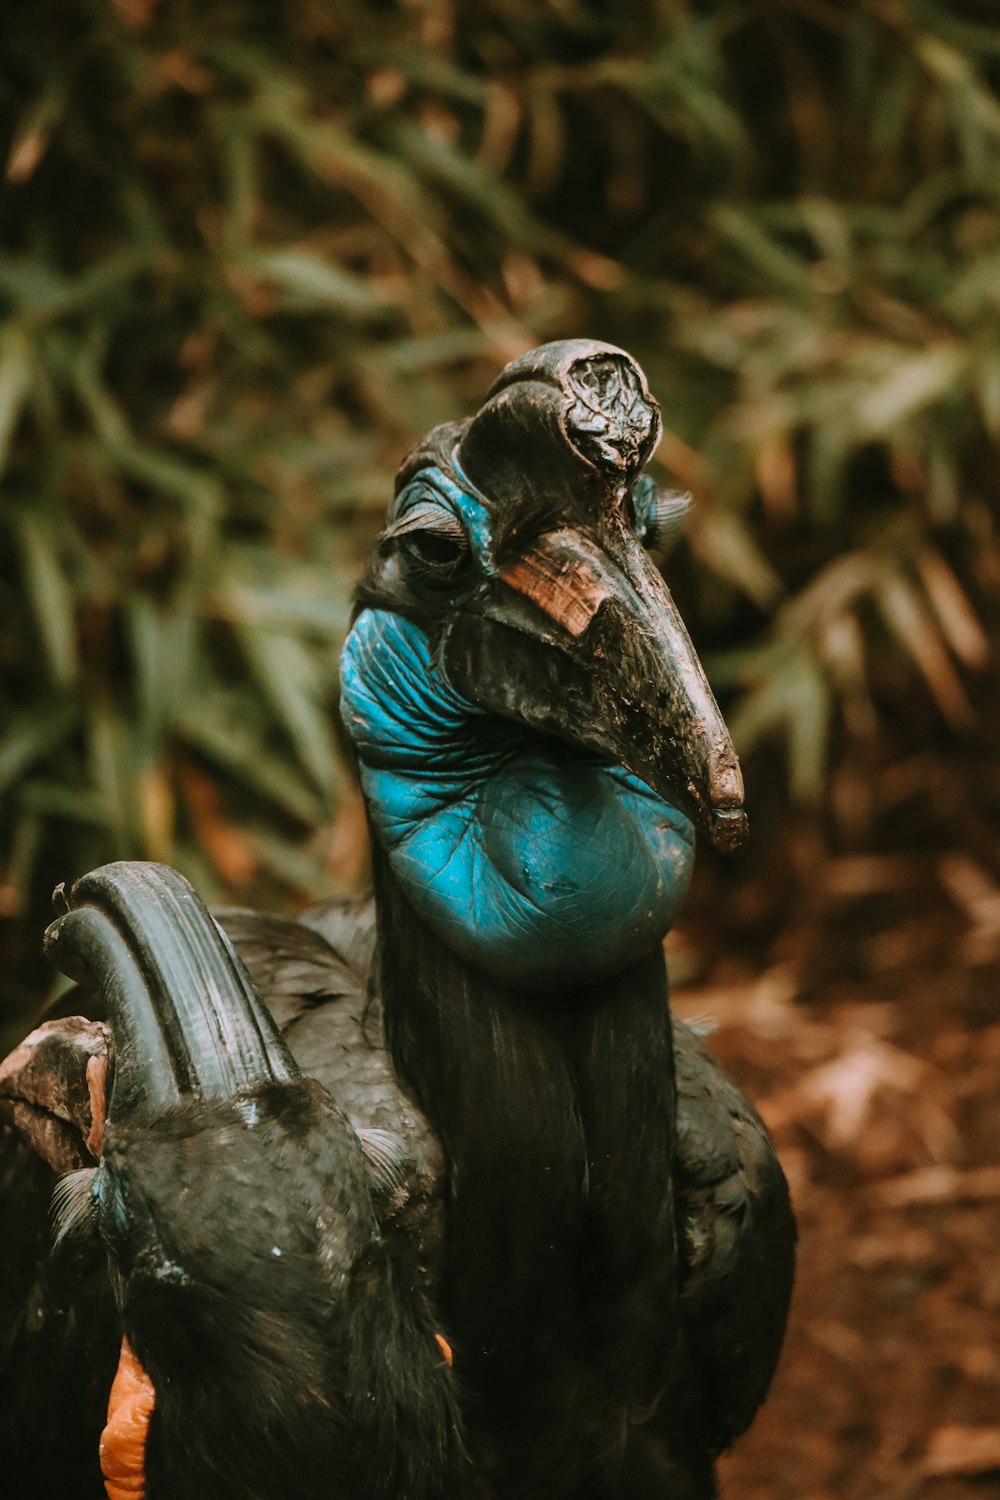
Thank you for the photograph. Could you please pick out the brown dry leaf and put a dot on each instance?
(844, 1343)
(904, 1246)
(941, 1184)
(920, 635)
(232, 854)
(970, 887)
(958, 619)
(974, 890)
(347, 852)
(963, 1450)
(854, 876)
(776, 477)
(26, 153)
(763, 1006)
(178, 69)
(136, 15)
(157, 809)
(870, 1099)
(845, 1089)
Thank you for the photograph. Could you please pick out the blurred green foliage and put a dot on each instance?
(251, 251)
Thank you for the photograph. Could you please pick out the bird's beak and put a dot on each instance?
(578, 637)
(183, 1014)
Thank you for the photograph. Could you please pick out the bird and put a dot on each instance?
(598, 1234)
(229, 1310)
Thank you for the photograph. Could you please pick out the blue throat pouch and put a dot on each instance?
(533, 861)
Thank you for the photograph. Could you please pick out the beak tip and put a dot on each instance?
(730, 829)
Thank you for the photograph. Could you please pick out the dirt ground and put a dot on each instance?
(868, 1033)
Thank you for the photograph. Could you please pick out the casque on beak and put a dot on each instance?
(183, 1014)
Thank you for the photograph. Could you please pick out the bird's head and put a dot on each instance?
(274, 1344)
(521, 543)
(533, 727)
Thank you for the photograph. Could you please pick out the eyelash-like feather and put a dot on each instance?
(427, 517)
(659, 514)
(73, 1209)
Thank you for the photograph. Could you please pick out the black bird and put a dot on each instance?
(233, 1308)
(601, 1227)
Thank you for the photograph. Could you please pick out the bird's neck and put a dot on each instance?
(522, 891)
(556, 1118)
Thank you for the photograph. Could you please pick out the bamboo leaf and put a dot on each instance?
(920, 639)
(723, 542)
(222, 733)
(287, 675)
(15, 383)
(808, 722)
(52, 598)
(310, 283)
(914, 383)
(957, 618)
(30, 738)
(163, 651)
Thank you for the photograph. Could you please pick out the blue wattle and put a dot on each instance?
(532, 861)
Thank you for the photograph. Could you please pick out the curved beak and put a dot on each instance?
(183, 1012)
(578, 637)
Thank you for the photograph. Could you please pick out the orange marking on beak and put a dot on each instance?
(123, 1441)
(445, 1348)
(97, 1078)
(569, 589)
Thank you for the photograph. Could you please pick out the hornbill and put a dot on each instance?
(592, 1215)
(234, 1307)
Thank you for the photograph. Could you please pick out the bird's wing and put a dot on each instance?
(348, 925)
(737, 1238)
(313, 976)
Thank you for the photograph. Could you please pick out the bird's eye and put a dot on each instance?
(435, 559)
(656, 516)
(431, 538)
(435, 549)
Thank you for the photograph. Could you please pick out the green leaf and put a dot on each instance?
(286, 672)
(310, 283)
(15, 383)
(163, 651)
(808, 722)
(723, 542)
(222, 731)
(764, 253)
(790, 704)
(323, 612)
(65, 804)
(30, 738)
(52, 598)
(112, 763)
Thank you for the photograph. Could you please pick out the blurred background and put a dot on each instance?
(250, 252)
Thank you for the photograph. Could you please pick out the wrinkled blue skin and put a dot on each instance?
(533, 861)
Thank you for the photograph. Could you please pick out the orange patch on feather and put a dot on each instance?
(123, 1441)
(568, 588)
(97, 1079)
(445, 1348)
